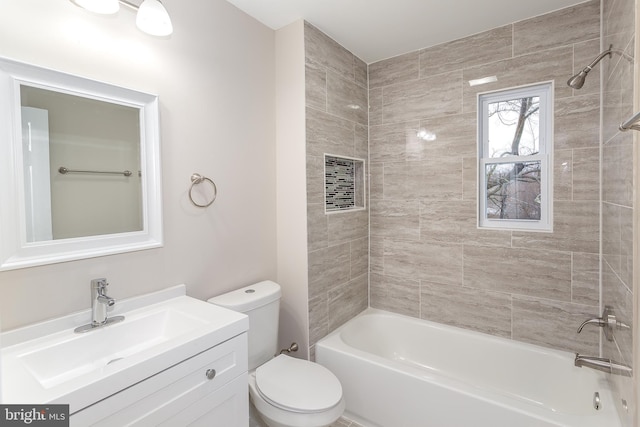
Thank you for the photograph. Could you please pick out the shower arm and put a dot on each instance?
(598, 59)
(609, 52)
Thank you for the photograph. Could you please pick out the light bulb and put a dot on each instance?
(153, 19)
(105, 7)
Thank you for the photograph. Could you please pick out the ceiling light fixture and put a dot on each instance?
(152, 18)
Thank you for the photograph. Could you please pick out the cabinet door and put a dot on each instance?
(227, 407)
(191, 383)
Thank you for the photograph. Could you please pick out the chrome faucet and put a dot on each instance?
(100, 301)
(608, 321)
(602, 364)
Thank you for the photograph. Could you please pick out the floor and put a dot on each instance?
(255, 421)
(344, 422)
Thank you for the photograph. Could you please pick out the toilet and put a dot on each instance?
(286, 392)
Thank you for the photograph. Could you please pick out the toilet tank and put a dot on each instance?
(261, 302)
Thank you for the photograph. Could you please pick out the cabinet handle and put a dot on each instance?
(211, 373)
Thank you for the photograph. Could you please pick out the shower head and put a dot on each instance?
(577, 81)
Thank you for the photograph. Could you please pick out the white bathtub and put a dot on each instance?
(397, 371)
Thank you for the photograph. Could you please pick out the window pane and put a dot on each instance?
(514, 127)
(513, 191)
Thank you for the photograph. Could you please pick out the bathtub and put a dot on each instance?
(397, 371)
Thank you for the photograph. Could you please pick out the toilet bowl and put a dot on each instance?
(286, 391)
(289, 392)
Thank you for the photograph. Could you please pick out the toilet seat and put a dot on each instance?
(298, 385)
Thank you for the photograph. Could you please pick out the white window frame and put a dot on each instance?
(544, 91)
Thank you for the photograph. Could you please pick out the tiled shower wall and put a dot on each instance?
(617, 186)
(427, 257)
(336, 123)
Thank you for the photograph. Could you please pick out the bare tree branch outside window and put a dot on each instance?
(513, 188)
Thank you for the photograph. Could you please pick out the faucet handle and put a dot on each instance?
(100, 285)
(608, 321)
(598, 321)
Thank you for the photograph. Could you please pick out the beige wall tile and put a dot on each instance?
(617, 176)
(586, 174)
(315, 179)
(576, 228)
(347, 301)
(359, 257)
(327, 133)
(396, 295)
(394, 142)
(346, 99)
(554, 324)
(399, 219)
(585, 279)
(362, 141)
(617, 241)
(328, 267)
(626, 246)
(456, 222)
(376, 181)
(566, 26)
(322, 50)
(394, 70)
(318, 319)
(433, 179)
(431, 261)
(618, 296)
(576, 122)
(316, 87)
(538, 273)
(612, 109)
(562, 174)
(554, 64)
(612, 235)
(618, 23)
(617, 183)
(428, 97)
(360, 71)
(476, 309)
(376, 255)
(375, 107)
(470, 178)
(456, 136)
(488, 46)
(346, 226)
(317, 227)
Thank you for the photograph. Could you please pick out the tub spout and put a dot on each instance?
(602, 364)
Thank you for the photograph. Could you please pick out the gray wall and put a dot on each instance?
(618, 187)
(338, 243)
(427, 257)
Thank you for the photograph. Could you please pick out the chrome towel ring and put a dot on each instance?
(196, 178)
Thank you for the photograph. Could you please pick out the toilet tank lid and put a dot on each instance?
(249, 297)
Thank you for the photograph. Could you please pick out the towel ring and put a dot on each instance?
(196, 178)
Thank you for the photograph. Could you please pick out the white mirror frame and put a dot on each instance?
(15, 251)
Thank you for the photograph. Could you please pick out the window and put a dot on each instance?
(515, 144)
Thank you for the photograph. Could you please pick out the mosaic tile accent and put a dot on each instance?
(344, 179)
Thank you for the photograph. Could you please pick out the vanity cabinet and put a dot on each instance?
(208, 389)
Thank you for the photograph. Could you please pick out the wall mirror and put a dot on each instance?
(79, 168)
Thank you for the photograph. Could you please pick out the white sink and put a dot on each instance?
(50, 363)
